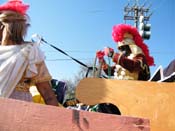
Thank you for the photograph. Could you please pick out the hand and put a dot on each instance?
(108, 51)
(100, 55)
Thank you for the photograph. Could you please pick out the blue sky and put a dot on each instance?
(81, 27)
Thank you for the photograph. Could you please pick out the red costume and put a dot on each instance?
(133, 60)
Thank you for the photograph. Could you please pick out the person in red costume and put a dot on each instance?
(133, 59)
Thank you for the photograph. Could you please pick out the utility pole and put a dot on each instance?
(140, 15)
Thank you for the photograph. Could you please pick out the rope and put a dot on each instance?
(63, 52)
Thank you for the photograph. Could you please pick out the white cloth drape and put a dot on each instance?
(14, 61)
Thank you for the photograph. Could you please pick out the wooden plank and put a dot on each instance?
(151, 100)
(24, 116)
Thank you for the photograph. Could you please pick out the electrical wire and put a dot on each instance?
(68, 59)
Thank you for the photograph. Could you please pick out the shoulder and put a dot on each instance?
(30, 43)
(31, 46)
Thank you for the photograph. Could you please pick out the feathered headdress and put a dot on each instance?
(122, 31)
(15, 5)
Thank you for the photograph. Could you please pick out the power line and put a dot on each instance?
(71, 51)
(162, 52)
(153, 52)
(69, 59)
(140, 15)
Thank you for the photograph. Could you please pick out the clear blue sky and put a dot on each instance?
(81, 27)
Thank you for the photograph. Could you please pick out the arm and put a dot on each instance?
(46, 92)
(137, 63)
(42, 82)
(100, 56)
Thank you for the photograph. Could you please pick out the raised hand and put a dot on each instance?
(108, 51)
(100, 55)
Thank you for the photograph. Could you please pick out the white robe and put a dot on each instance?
(14, 61)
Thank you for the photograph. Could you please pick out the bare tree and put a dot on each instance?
(72, 84)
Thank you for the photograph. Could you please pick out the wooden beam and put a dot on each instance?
(18, 115)
(152, 100)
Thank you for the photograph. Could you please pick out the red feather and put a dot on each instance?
(15, 5)
(118, 35)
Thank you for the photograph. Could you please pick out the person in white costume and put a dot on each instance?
(21, 63)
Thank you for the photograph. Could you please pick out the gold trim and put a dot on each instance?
(144, 66)
(22, 87)
(118, 61)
